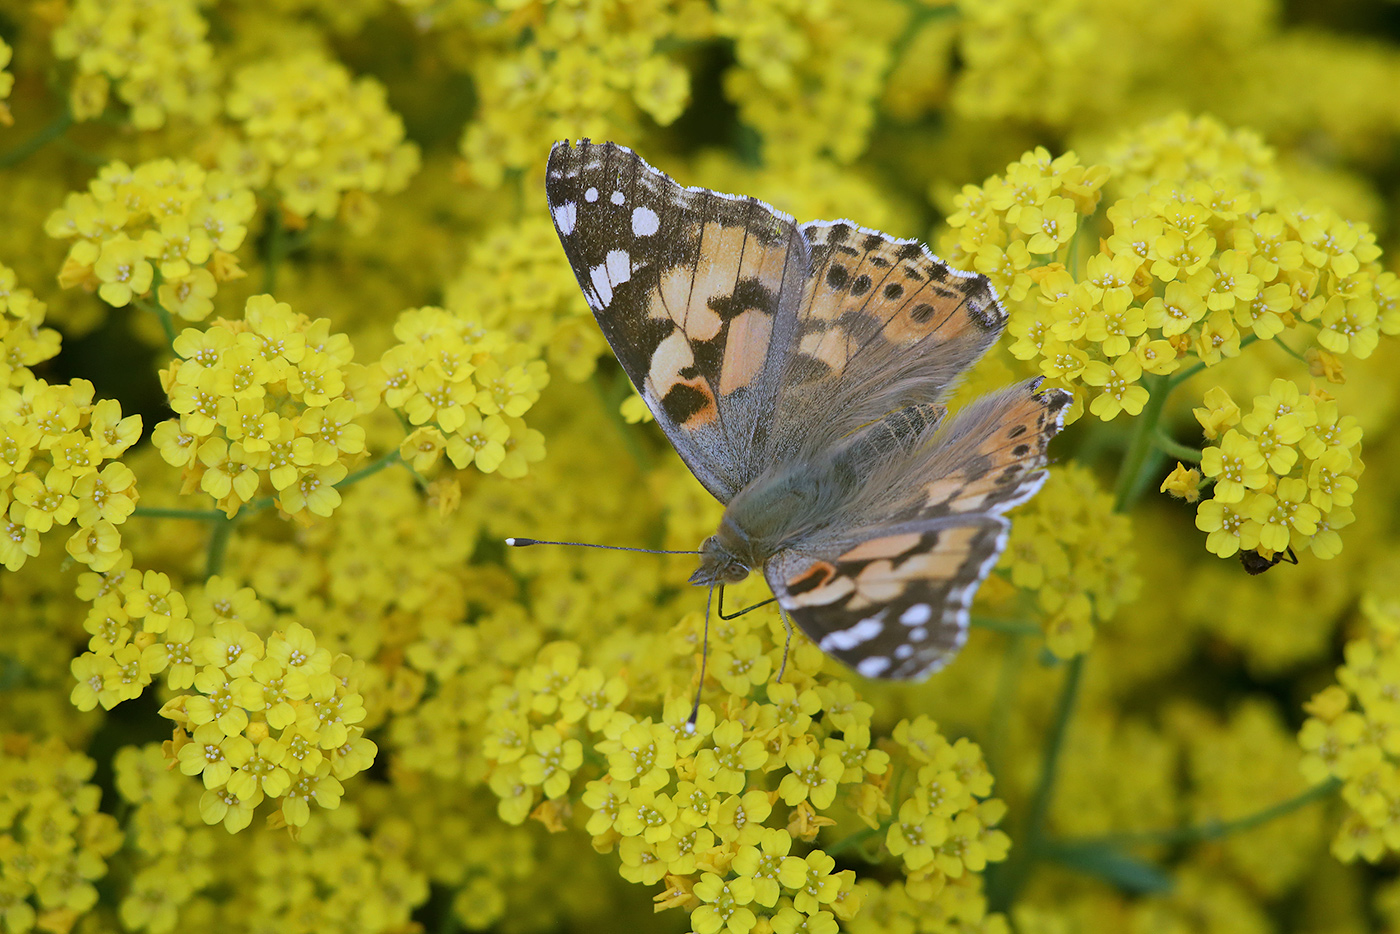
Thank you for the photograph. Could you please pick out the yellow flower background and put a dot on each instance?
(289, 347)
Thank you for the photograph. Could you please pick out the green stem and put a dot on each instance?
(161, 512)
(1179, 378)
(153, 306)
(393, 457)
(1199, 833)
(218, 545)
(1015, 876)
(922, 16)
(56, 128)
(1054, 745)
(1288, 350)
(1176, 449)
(1013, 627)
(1144, 428)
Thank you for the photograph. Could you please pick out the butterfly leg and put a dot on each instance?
(704, 657)
(740, 613)
(787, 643)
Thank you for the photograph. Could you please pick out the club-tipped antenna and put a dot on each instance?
(525, 542)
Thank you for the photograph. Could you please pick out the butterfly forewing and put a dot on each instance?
(883, 324)
(894, 605)
(696, 292)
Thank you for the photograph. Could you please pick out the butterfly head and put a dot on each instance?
(723, 557)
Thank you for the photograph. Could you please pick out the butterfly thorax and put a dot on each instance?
(771, 513)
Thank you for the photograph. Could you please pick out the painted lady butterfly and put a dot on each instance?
(797, 369)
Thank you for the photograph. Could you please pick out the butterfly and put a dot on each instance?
(798, 370)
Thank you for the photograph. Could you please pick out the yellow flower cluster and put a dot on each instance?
(272, 718)
(467, 385)
(1024, 59)
(1073, 553)
(154, 51)
(724, 811)
(267, 404)
(326, 147)
(548, 72)
(806, 66)
(548, 316)
(187, 875)
(54, 842)
(1200, 257)
(1283, 474)
(59, 447)
(1017, 227)
(165, 223)
(1350, 737)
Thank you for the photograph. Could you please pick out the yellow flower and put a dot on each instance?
(1280, 515)
(762, 863)
(1183, 483)
(812, 776)
(724, 905)
(1230, 527)
(1236, 464)
(1121, 391)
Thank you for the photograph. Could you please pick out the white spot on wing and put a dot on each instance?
(565, 216)
(619, 266)
(644, 222)
(617, 197)
(863, 631)
(601, 286)
(903, 651)
(590, 195)
(918, 635)
(916, 615)
(874, 666)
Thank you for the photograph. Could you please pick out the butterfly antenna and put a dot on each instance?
(704, 657)
(525, 542)
(787, 643)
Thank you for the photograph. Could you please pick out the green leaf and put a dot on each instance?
(1113, 866)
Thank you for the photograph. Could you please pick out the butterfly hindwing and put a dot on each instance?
(991, 455)
(893, 604)
(696, 291)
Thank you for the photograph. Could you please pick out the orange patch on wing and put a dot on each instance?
(815, 576)
(944, 561)
(834, 589)
(674, 300)
(890, 546)
(877, 582)
(706, 415)
(745, 350)
(944, 489)
(721, 251)
(833, 347)
(944, 314)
